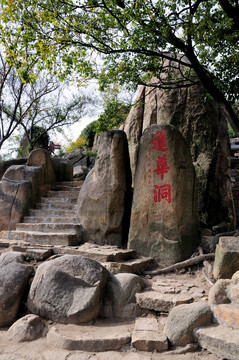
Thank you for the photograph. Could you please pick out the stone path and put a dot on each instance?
(52, 229)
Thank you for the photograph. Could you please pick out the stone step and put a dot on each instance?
(100, 253)
(52, 212)
(51, 227)
(63, 194)
(55, 206)
(148, 335)
(41, 238)
(152, 300)
(33, 252)
(135, 266)
(219, 340)
(50, 219)
(227, 315)
(58, 200)
(69, 184)
(102, 336)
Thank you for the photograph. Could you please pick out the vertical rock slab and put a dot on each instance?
(103, 206)
(164, 216)
(15, 201)
(41, 157)
(133, 128)
(34, 174)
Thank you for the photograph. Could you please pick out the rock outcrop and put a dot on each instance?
(15, 200)
(14, 274)
(68, 289)
(164, 216)
(203, 123)
(103, 206)
(34, 174)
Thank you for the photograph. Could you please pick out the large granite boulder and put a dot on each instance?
(34, 174)
(182, 321)
(14, 274)
(68, 289)
(4, 165)
(15, 201)
(103, 206)
(164, 216)
(203, 123)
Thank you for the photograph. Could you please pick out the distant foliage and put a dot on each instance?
(89, 133)
(80, 143)
(114, 114)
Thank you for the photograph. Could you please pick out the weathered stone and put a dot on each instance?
(74, 156)
(28, 328)
(80, 172)
(207, 243)
(203, 124)
(226, 257)
(119, 299)
(147, 336)
(63, 169)
(14, 274)
(133, 128)
(99, 253)
(68, 289)
(220, 341)
(218, 294)
(164, 216)
(153, 300)
(183, 319)
(4, 165)
(41, 157)
(136, 266)
(34, 174)
(235, 278)
(103, 202)
(227, 315)
(15, 200)
(101, 336)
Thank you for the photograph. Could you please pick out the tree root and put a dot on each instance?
(182, 264)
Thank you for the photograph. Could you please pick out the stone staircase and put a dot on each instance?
(53, 229)
(53, 221)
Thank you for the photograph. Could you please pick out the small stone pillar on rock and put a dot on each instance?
(104, 201)
(164, 216)
(41, 157)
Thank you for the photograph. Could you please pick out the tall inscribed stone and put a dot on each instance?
(164, 216)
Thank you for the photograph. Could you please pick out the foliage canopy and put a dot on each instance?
(128, 41)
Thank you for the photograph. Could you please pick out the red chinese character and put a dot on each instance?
(162, 192)
(159, 141)
(162, 167)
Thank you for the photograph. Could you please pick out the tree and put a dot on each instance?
(37, 107)
(133, 39)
